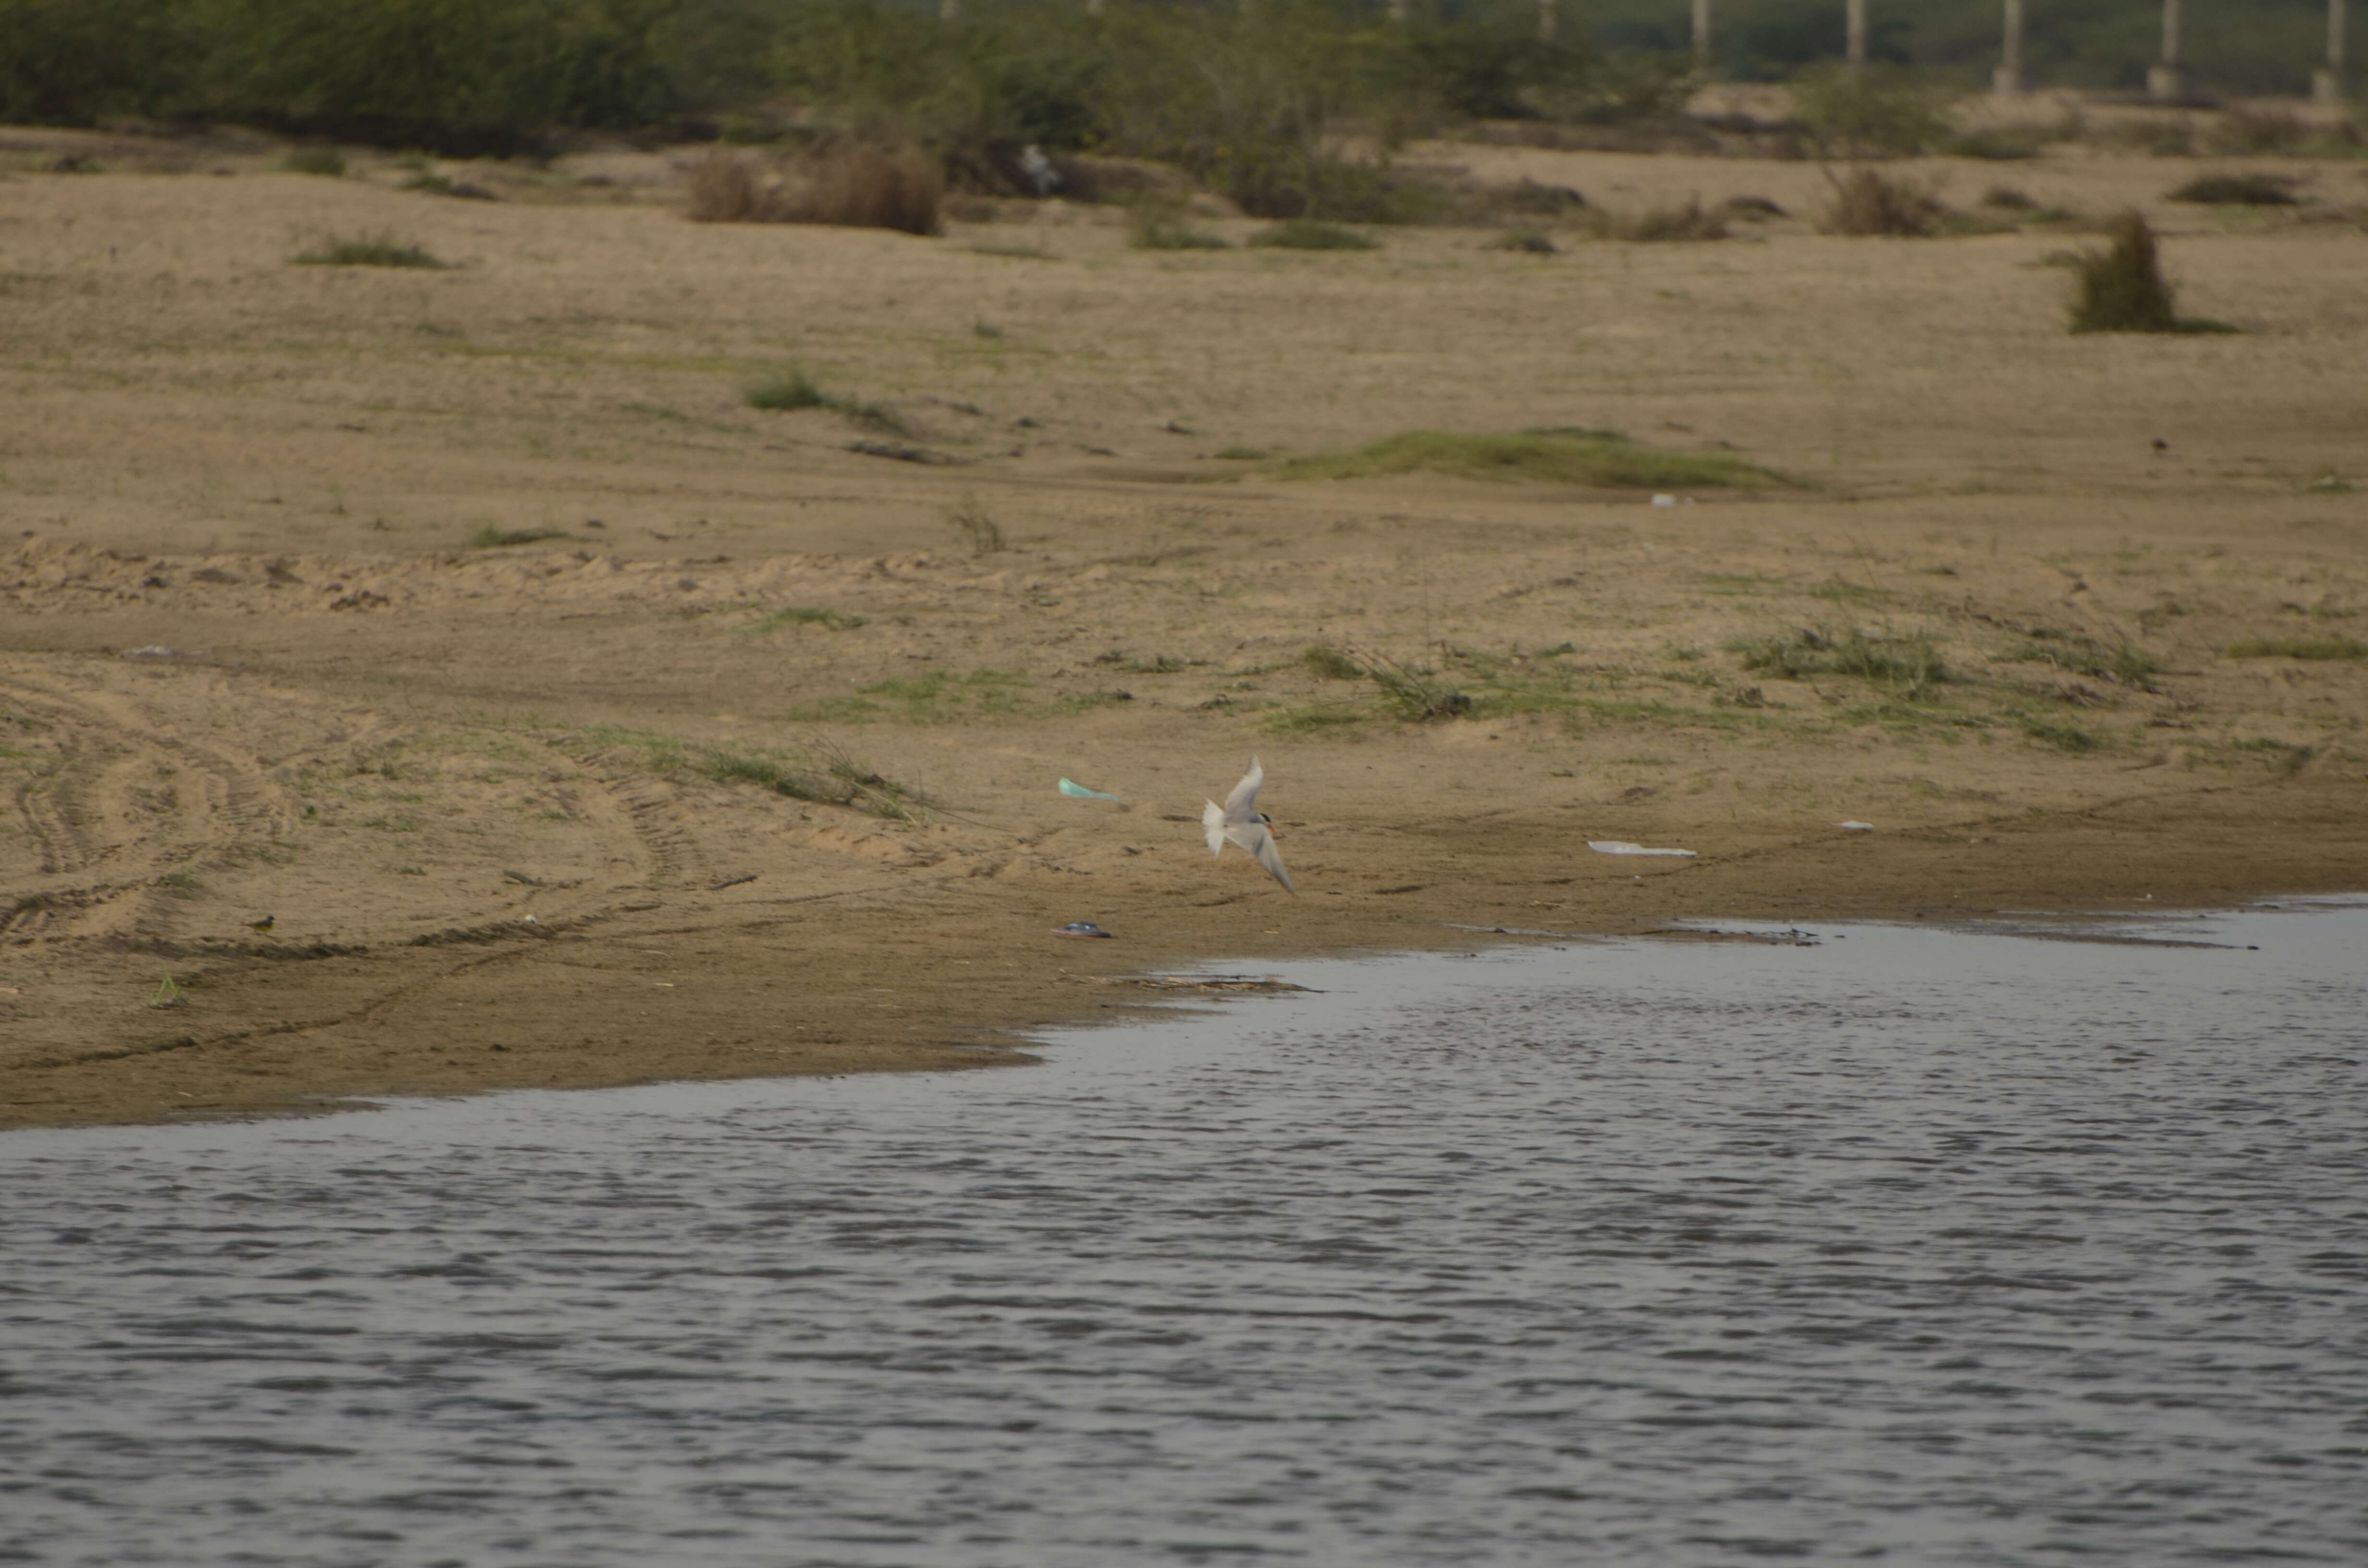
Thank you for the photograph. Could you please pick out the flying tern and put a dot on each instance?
(1240, 821)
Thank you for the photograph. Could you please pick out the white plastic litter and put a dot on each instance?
(1622, 846)
(1855, 826)
(1665, 500)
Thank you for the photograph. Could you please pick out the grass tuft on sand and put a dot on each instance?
(2293, 647)
(786, 390)
(808, 615)
(1156, 225)
(1312, 234)
(1599, 458)
(2122, 289)
(492, 537)
(1910, 666)
(2237, 190)
(381, 249)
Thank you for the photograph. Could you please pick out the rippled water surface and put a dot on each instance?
(1912, 1245)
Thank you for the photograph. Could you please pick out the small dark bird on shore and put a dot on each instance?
(262, 925)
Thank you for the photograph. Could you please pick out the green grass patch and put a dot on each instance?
(1317, 718)
(492, 537)
(2293, 647)
(381, 249)
(785, 391)
(2125, 663)
(935, 697)
(2055, 732)
(1326, 663)
(1312, 234)
(1599, 459)
(1165, 226)
(1910, 666)
(808, 615)
(822, 773)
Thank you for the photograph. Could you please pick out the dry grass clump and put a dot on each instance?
(1600, 459)
(788, 390)
(323, 161)
(1658, 225)
(1867, 203)
(976, 527)
(381, 249)
(824, 775)
(1910, 666)
(2237, 190)
(848, 186)
(1166, 225)
(2122, 289)
(1312, 234)
(2290, 647)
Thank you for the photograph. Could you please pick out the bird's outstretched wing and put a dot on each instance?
(1213, 826)
(1254, 837)
(1242, 804)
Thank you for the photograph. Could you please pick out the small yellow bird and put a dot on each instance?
(262, 925)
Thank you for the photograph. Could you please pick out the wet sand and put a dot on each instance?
(508, 805)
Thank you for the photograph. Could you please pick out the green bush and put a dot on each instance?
(2122, 289)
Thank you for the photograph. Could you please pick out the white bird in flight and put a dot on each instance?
(1240, 821)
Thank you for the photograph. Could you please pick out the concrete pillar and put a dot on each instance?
(2168, 81)
(1856, 53)
(2327, 85)
(1549, 21)
(2010, 79)
(1702, 36)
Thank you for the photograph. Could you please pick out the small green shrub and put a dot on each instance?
(381, 249)
(1312, 234)
(2237, 190)
(492, 537)
(2122, 289)
(808, 615)
(2057, 734)
(326, 161)
(1167, 226)
(784, 390)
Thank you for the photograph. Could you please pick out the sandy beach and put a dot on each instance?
(470, 624)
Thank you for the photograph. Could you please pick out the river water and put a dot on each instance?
(1912, 1247)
